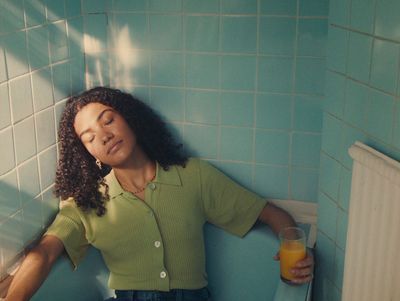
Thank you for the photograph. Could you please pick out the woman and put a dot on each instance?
(128, 190)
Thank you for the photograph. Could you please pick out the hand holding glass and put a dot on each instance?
(292, 250)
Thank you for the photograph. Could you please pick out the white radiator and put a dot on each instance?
(372, 262)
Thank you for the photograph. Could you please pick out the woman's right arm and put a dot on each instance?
(34, 269)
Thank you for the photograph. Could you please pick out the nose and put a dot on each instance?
(106, 136)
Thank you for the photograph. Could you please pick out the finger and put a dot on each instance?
(305, 272)
(302, 280)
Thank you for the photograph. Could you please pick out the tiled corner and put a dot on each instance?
(237, 109)
(38, 44)
(333, 132)
(236, 144)
(9, 196)
(272, 147)
(166, 32)
(47, 167)
(28, 177)
(356, 102)
(312, 36)
(168, 102)
(42, 89)
(271, 181)
(308, 114)
(342, 223)
(278, 7)
(335, 94)
(21, 98)
(6, 151)
(167, 69)
(275, 74)
(345, 189)
(16, 54)
(244, 68)
(304, 184)
(202, 71)
(277, 35)
(327, 212)
(198, 104)
(338, 40)
(25, 139)
(306, 149)
(239, 34)
(5, 114)
(201, 140)
(273, 111)
(359, 56)
(329, 176)
(45, 128)
(202, 33)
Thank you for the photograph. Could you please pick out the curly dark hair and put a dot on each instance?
(77, 174)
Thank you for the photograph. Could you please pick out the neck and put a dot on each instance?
(136, 173)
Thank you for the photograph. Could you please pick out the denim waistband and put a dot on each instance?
(172, 295)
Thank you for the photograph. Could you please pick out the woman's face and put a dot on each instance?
(105, 134)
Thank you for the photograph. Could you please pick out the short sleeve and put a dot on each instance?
(68, 227)
(227, 204)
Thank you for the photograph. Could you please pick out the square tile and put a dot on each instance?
(47, 167)
(338, 40)
(237, 109)
(238, 72)
(165, 6)
(11, 16)
(239, 34)
(58, 42)
(314, 8)
(275, 74)
(327, 212)
(201, 140)
(21, 98)
(379, 120)
(304, 184)
(335, 94)
(61, 81)
(73, 8)
(356, 103)
(130, 31)
(271, 181)
(35, 13)
(25, 139)
(55, 9)
(75, 37)
(272, 147)
(306, 149)
(42, 89)
(9, 196)
(362, 15)
(95, 35)
(16, 54)
(32, 220)
(278, 7)
(5, 114)
(386, 19)
(45, 128)
(166, 32)
(385, 62)
(77, 75)
(359, 57)
(168, 102)
(236, 144)
(202, 71)
(204, 6)
(202, 107)
(329, 178)
(277, 35)
(274, 111)
(308, 114)
(310, 76)
(312, 37)
(332, 136)
(28, 176)
(128, 5)
(166, 69)
(238, 6)
(11, 237)
(241, 173)
(202, 33)
(6, 151)
(38, 43)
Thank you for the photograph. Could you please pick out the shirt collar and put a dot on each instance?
(168, 177)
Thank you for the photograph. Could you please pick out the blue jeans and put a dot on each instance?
(173, 295)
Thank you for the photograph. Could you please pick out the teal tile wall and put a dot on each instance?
(41, 43)
(249, 76)
(362, 103)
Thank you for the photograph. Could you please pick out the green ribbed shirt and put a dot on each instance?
(158, 244)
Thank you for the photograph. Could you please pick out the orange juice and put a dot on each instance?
(290, 253)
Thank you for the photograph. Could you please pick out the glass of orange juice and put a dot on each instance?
(292, 249)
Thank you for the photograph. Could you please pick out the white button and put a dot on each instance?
(152, 186)
(157, 244)
(163, 274)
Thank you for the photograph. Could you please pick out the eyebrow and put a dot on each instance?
(98, 118)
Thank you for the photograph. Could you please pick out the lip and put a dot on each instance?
(114, 147)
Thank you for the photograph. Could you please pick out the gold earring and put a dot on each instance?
(98, 163)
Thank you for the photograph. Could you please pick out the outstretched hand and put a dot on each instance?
(304, 269)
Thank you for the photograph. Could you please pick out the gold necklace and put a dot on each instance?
(144, 187)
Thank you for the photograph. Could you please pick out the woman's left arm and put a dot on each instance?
(277, 219)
